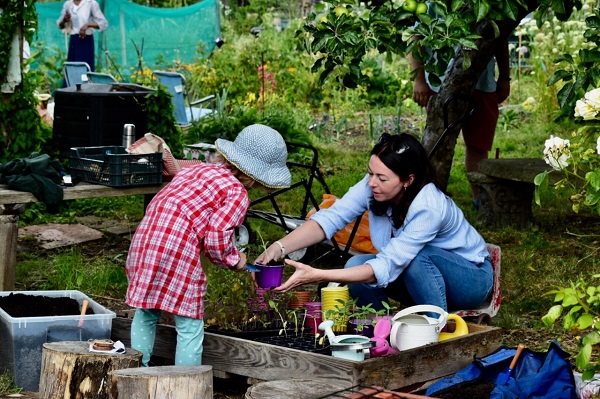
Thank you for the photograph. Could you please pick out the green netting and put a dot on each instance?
(173, 33)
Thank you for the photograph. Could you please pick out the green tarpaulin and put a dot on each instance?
(171, 33)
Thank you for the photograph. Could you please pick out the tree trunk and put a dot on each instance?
(164, 382)
(441, 131)
(70, 370)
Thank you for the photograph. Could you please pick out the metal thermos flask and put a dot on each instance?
(128, 134)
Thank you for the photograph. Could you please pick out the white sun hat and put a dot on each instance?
(260, 152)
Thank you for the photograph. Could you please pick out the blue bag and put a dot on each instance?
(536, 375)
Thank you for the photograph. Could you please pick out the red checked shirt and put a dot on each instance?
(197, 212)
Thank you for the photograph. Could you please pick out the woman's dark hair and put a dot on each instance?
(404, 155)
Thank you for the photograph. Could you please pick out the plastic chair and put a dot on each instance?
(184, 109)
(75, 72)
(490, 309)
(102, 78)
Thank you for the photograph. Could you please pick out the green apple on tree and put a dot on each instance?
(321, 21)
(410, 6)
(339, 10)
(421, 9)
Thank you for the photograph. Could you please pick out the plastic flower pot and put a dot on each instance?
(361, 327)
(270, 276)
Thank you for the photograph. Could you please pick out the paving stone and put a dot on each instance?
(60, 235)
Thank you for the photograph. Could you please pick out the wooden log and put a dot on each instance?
(164, 382)
(70, 370)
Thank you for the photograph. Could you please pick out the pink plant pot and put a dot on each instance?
(269, 276)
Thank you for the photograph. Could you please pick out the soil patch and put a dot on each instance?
(22, 305)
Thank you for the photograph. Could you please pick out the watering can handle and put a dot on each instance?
(424, 308)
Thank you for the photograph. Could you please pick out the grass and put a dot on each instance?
(7, 386)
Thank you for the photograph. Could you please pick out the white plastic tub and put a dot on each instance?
(21, 338)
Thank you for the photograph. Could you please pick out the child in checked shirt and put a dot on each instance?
(197, 213)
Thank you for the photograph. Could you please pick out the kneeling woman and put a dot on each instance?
(428, 253)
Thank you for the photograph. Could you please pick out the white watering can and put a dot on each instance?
(350, 347)
(411, 330)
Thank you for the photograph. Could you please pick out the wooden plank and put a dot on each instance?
(428, 362)
(268, 362)
(80, 191)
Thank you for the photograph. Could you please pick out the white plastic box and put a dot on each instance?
(21, 338)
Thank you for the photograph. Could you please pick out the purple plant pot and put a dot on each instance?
(269, 276)
(361, 327)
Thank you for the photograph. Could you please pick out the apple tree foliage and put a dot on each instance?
(466, 31)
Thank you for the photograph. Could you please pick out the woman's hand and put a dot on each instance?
(273, 252)
(304, 274)
(82, 31)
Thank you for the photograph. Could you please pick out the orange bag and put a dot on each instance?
(362, 238)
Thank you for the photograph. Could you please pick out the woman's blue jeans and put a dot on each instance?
(434, 277)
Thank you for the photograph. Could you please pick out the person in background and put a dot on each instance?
(78, 19)
(196, 214)
(428, 253)
(478, 130)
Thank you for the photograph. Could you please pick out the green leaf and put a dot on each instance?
(593, 178)
(541, 184)
(584, 321)
(592, 338)
(553, 314)
(584, 356)
(561, 74)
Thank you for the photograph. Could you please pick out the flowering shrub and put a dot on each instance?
(578, 304)
(578, 158)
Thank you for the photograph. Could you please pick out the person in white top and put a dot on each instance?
(79, 19)
(428, 253)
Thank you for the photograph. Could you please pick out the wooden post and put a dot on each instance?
(9, 229)
(164, 382)
(70, 370)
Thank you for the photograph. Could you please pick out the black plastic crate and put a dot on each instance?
(113, 166)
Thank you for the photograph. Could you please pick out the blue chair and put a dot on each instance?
(75, 72)
(185, 110)
(102, 78)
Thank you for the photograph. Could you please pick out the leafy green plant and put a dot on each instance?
(7, 385)
(580, 160)
(580, 73)
(161, 120)
(364, 315)
(226, 305)
(579, 308)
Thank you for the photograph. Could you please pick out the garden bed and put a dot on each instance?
(263, 361)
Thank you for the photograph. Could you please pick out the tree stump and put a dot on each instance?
(164, 382)
(70, 370)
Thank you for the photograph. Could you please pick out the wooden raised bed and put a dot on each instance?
(268, 362)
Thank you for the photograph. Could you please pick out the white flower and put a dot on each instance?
(593, 98)
(557, 152)
(585, 110)
(598, 145)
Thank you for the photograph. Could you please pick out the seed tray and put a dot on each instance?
(113, 166)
